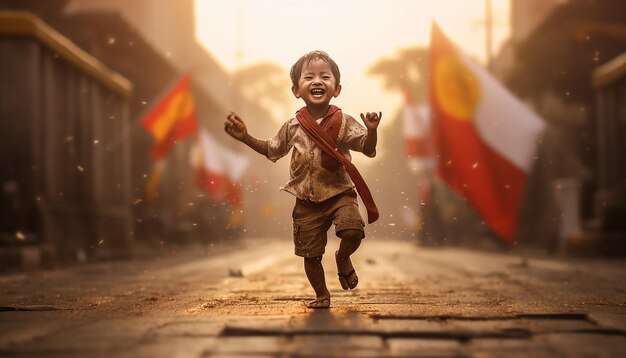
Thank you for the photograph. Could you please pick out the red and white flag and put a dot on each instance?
(417, 137)
(219, 170)
(485, 137)
(418, 144)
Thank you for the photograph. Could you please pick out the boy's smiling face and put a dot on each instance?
(317, 85)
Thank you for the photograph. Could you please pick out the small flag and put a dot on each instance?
(418, 143)
(485, 137)
(418, 137)
(219, 170)
(172, 118)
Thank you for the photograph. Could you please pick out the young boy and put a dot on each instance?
(324, 192)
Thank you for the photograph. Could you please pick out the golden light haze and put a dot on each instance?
(355, 33)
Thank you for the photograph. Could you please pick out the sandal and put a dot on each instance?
(348, 281)
(320, 303)
(345, 280)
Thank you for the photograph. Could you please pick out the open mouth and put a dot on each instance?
(317, 92)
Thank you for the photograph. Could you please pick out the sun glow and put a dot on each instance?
(355, 33)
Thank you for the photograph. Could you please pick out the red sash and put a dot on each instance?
(327, 144)
(331, 124)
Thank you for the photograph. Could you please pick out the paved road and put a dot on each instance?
(248, 300)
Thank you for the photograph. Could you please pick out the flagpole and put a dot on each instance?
(238, 55)
(488, 33)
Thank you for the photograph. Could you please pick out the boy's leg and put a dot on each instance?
(349, 227)
(309, 235)
(350, 242)
(315, 273)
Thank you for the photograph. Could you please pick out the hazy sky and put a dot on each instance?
(356, 33)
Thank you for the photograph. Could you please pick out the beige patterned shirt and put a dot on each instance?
(308, 179)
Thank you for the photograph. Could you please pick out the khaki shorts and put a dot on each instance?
(311, 222)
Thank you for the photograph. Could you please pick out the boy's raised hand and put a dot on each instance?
(372, 120)
(235, 126)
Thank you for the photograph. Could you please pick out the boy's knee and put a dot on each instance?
(350, 235)
(313, 260)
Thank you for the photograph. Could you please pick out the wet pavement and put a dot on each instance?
(249, 300)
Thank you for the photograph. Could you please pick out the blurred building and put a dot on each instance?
(527, 15)
(152, 44)
(553, 58)
(609, 196)
(65, 169)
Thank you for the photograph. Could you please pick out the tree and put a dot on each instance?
(406, 72)
(268, 85)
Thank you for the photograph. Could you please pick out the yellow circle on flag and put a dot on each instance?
(456, 88)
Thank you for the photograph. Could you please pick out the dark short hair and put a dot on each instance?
(296, 69)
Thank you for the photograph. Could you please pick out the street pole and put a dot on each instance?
(238, 54)
(488, 33)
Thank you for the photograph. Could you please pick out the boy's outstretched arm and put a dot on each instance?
(371, 121)
(238, 130)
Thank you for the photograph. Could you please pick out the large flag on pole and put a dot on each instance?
(172, 118)
(485, 137)
(219, 171)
